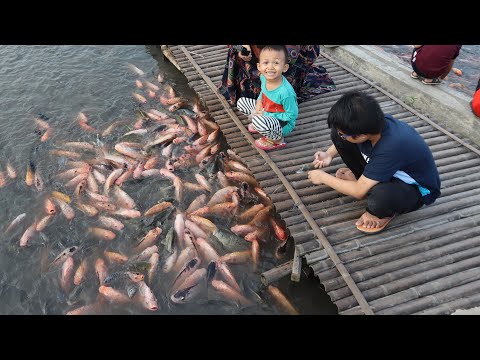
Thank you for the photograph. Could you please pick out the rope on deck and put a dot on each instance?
(298, 202)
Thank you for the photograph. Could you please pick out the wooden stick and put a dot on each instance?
(167, 52)
(296, 267)
(276, 273)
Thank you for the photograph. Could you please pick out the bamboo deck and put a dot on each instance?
(425, 262)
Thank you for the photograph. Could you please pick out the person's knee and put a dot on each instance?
(256, 121)
(241, 101)
(379, 199)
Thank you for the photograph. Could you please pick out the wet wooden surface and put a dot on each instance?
(425, 262)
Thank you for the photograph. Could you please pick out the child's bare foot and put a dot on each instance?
(345, 174)
(369, 223)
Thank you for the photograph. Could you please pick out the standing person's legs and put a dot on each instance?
(384, 201)
(350, 154)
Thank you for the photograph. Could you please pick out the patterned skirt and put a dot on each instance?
(242, 79)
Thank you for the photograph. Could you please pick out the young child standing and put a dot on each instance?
(275, 111)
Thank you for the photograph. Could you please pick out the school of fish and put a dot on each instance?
(166, 213)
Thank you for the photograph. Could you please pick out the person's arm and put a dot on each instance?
(290, 115)
(258, 105)
(357, 189)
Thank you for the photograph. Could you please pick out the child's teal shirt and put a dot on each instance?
(280, 103)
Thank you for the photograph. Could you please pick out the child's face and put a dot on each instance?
(272, 64)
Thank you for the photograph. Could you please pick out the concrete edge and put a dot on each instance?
(449, 108)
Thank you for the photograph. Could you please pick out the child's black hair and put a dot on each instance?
(280, 48)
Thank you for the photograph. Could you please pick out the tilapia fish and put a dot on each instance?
(230, 241)
(64, 255)
(122, 277)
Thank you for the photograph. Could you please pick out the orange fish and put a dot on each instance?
(457, 71)
(139, 98)
(282, 301)
(46, 135)
(2, 179)
(61, 196)
(279, 231)
(29, 175)
(12, 174)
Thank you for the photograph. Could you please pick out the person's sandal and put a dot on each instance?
(435, 81)
(251, 129)
(267, 144)
(374, 230)
(414, 75)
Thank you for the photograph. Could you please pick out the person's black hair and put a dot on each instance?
(356, 113)
(281, 48)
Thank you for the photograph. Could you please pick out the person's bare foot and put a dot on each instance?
(345, 174)
(414, 75)
(372, 222)
(434, 81)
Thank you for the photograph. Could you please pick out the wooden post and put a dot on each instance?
(276, 273)
(169, 56)
(296, 267)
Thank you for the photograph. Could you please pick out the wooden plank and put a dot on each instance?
(417, 268)
(276, 273)
(296, 267)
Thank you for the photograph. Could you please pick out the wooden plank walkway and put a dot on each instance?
(425, 262)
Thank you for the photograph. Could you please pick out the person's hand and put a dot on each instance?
(316, 176)
(243, 57)
(321, 159)
(258, 112)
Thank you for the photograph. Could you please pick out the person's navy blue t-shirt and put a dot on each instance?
(402, 153)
